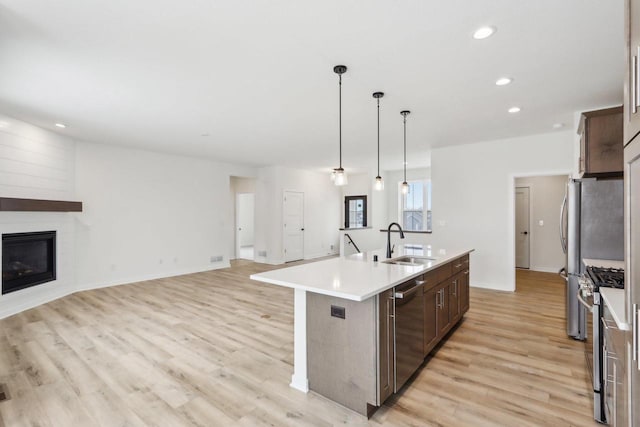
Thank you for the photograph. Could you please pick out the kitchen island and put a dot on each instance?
(362, 327)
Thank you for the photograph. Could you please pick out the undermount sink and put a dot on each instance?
(410, 260)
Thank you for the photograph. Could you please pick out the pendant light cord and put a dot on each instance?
(378, 136)
(405, 148)
(340, 116)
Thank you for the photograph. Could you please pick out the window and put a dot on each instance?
(415, 206)
(355, 211)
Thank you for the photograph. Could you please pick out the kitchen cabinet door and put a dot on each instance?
(454, 299)
(632, 271)
(632, 70)
(464, 291)
(443, 310)
(431, 309)
(601, 143)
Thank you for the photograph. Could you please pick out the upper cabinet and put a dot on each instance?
(632, 80)
(601, 147)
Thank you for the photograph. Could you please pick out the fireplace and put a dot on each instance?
(28, 259)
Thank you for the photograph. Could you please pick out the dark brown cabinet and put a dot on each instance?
(454, 299)
(446, 299)
(464, 291)
(632, 78)
(601, 143)
(431, 302)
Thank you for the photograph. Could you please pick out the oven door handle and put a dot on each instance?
(585, 303)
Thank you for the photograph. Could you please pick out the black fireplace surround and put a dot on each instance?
(28, 259)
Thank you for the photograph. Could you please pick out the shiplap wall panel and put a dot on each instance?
(38, 164)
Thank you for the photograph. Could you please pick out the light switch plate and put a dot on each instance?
(541, 223)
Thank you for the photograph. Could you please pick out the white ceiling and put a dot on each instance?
(256, 75)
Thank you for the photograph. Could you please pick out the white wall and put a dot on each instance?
(149, 215)
(545, 197)
(473, 197)
(322, 204)
(38, 164)
(146, 215)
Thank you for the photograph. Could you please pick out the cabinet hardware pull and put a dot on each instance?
(635, 335)
(455, 288)
(457, 265)
(636, 78)
(420, 282)
(466, 272)
(633, 93)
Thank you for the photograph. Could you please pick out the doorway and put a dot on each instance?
(245, 208)
(242, 199)
(522, 228)
(293, 225)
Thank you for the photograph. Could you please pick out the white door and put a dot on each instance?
(293, 223)
(522, 227)
(245, 207)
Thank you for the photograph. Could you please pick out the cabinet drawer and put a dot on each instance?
(460, 264)
(436, 276)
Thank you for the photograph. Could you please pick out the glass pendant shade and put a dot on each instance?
(378, 184)
(341, 177)
(404, 188)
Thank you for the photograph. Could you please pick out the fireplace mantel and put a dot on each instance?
(9, 204)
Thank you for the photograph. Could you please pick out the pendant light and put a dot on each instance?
(378, 184)
(405, 186)
(338, 175)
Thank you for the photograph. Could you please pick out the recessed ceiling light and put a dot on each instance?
(558, 125)
(484, 32)
(502, 81)
(514, 110)
(60, 125)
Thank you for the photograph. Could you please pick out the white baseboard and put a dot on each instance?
(545, 269)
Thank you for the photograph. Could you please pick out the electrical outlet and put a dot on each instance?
(331, 247)
(262, 253)
(160, 261)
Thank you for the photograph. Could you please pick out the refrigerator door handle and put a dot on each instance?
(563, 238)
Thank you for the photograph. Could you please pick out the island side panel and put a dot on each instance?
(299, 379)
(341, 353)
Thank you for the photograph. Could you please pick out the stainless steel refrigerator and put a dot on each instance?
(592, 226)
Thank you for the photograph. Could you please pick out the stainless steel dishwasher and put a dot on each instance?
(409, 330)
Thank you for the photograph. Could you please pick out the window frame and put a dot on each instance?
(426, 202)
(347, 199)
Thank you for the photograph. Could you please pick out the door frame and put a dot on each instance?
(511, 216)
(530, 196)
(284, 237)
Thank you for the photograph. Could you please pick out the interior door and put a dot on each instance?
(522, 227)
(245, 208)
(293, 223)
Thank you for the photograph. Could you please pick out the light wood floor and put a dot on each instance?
(215, 348)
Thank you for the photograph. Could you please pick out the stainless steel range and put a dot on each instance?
(589, 296)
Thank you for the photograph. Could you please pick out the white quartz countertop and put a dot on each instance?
(605, 263)
(358, 277)
(614, 298)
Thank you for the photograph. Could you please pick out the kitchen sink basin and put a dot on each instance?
(410, 260)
